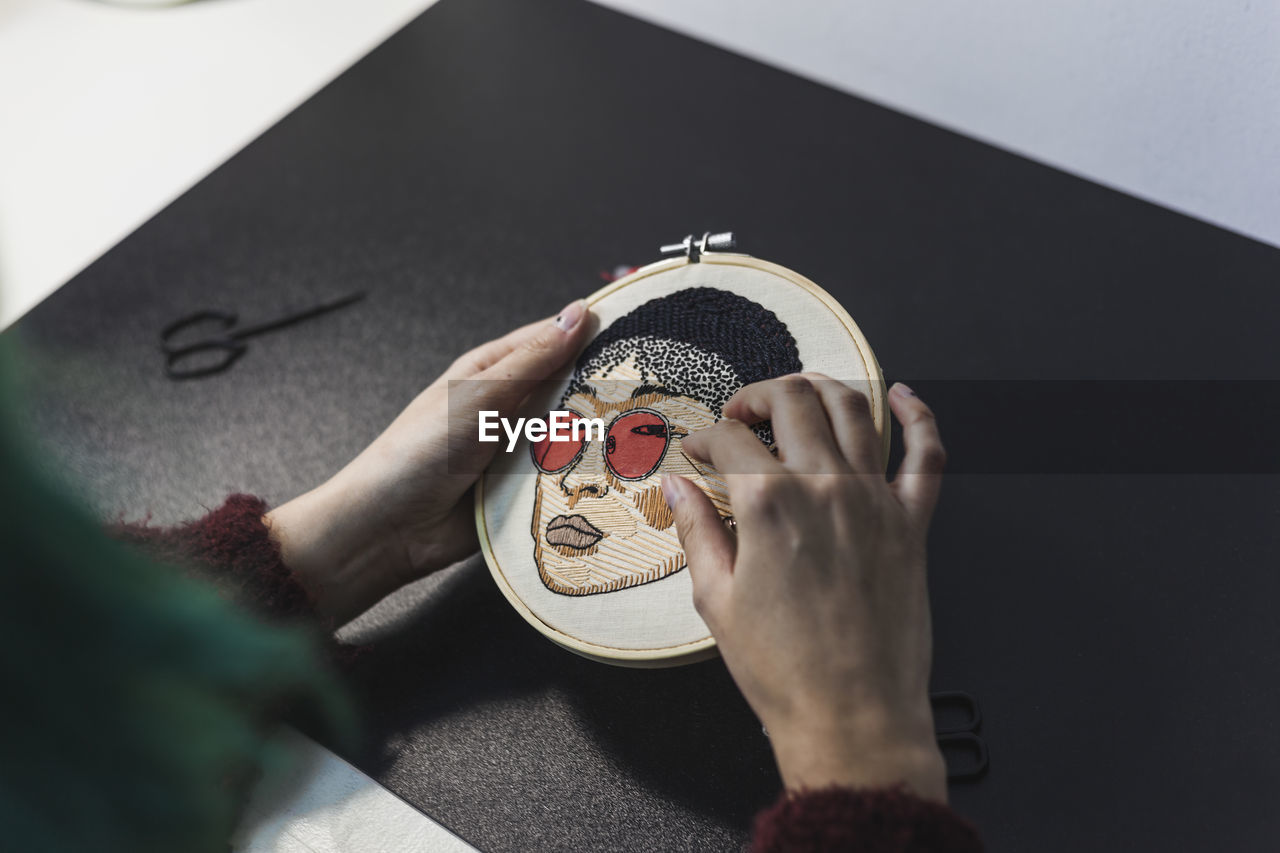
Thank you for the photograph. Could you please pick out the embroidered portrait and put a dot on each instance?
(658, 373)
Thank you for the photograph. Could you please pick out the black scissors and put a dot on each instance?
(228, 343)
(957, 734)
(957, 719)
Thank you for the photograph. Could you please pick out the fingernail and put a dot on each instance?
(903, 390)
(671, 490)
(572, 315)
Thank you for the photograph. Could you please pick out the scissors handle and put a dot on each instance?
(965, 755)
(957, 719)
(226, 342)
(958, 708)
(229, 350)
(226, 319)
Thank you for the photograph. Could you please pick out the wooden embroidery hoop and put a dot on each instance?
(678, 653)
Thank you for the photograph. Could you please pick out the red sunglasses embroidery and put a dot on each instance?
(635, 444)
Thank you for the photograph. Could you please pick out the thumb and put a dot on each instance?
(520, 362)
(541, 349)
(708, 547)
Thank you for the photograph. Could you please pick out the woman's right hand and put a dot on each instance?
(819, 602)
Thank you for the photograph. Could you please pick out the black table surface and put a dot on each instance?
(478, 170)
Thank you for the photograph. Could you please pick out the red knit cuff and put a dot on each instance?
(232, 548)
(862, 821)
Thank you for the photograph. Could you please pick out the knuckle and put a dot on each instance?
(705, 605)
(845, 490)
(724, 426)
(682, 525)
(713, 435)
(934, 456)
(796, 383)
(764, 495)
(690, 524)
(922, 413)
(749, 497)
(471, 360)
(728, 426)
(855, 401)
(543, 343)
(833, 487)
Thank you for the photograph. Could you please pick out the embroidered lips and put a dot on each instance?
(572, 531)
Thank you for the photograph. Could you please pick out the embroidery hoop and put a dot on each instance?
(500, 512)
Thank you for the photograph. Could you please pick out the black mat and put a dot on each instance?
(477, 171)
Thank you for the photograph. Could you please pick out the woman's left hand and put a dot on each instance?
(403, 508)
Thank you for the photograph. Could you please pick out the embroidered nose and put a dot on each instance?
(586, 479)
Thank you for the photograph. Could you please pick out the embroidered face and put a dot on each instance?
(600, 522)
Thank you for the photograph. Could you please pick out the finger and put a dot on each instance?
(852, 424)
(732, 448)
(536, 357)
(537, 333)
(533, 354)
(487, 354)
(536, 354)
(708, 547)
(919, 477)
(800, 426)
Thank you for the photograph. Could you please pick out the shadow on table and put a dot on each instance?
(460, 691)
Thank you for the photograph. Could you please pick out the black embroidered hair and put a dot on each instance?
(745, 338)
(750, 337)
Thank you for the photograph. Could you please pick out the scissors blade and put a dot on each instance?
(298, 316)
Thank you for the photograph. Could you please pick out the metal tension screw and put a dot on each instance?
(693, 247)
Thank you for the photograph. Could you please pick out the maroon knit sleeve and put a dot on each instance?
(231, 547)
(889, 820)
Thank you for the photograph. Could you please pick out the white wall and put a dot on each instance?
(1175, 101)
(108, 113)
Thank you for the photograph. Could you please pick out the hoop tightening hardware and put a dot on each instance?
(693, 247)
